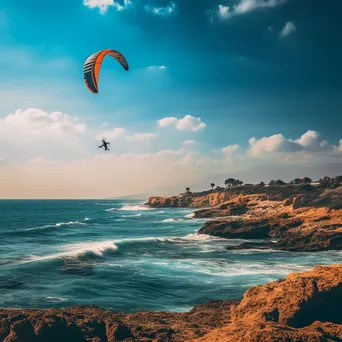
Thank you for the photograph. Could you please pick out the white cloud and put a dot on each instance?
(142, 137)
(162, 11)
(168, 121)
(112, 134)
(310, 142)
(223, 11)
(243, 6)
(188, 123)
(103, 5)
(288, 28)
(37, 121)
(155, 67)
(228, 150)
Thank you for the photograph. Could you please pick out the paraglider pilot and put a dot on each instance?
(105, 144)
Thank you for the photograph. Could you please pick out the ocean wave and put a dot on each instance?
(59, 224)
(135, 208)
(77, 250)
(137, 215)
(223, 268)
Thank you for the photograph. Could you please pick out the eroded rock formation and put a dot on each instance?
(303, 307)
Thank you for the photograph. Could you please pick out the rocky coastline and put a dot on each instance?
(300, 218)
(303, 307)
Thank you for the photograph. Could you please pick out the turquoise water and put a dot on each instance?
(125, 257)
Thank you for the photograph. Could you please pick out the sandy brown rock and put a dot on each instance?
(90, 323)
(301, 229)
(304, 307)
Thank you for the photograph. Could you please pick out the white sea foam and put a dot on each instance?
(173, 220)
(57, 299)
(137, 215)
(71, 223)
(112, 209)
(135, 208)
(191, 215)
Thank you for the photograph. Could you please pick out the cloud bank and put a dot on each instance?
(54, 155)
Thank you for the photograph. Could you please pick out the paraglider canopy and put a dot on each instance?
(93, 64)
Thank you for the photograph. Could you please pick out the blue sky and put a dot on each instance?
(268, 70)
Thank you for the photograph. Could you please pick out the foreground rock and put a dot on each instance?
(304, 307)
(89, 323)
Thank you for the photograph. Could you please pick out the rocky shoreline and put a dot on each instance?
(301, 218)
(303, 307)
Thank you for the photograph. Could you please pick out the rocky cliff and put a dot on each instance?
(303, 307)
(301, 218)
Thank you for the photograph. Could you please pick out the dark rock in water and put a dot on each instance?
(252, 245)
(311, 241)
(238, 229)
(293, 241)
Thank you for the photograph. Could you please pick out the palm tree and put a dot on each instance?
(212, 186)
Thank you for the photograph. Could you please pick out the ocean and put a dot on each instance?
(119, 255)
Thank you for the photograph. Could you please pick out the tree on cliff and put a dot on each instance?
(296, 181)
(307, 180)
(187, 190)
(230, 182)
(279, 182)
(212, 185)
